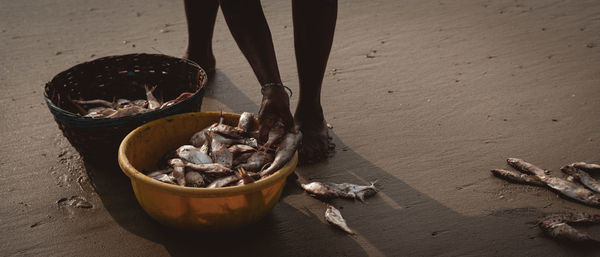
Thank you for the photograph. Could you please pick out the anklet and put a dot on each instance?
(262, 88)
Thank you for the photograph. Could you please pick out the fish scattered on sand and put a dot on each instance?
(578, 186)
(535, 175)
(325, 191)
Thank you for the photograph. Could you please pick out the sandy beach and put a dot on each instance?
(424, 97)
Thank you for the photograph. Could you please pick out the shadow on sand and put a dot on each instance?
(402, 222)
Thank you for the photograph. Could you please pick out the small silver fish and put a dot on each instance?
(153, 103)
(183, 96)
(140, 102)
(178, 170)
(250, 141)
(557, 226)
(239, 148)
(97, 109)
(122, 102)
(333, 216)
(166, 178)
(526, 167)
(227, 130)
(275, 135)
(213, 169)
(582, 177)
(221, 182)
(344, 190)
(220, 152)
(284, 153)
(100, 113)
(256, 161)
(246, 121)
(127, 111)
(518, 177)
(96, 102)
(158, 172)
(200, 138)
(194, 179)
(232, 141)
(586, 166)
(573, 191)
(241, 158)
(192, 154)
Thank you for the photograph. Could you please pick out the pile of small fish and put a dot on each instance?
(222, 155)
(587, 191)
(326, 191)
(102, 109)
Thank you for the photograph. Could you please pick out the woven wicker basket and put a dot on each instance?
(97, 140)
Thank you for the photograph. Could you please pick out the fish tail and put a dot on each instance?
(361, 198)
(375, 185)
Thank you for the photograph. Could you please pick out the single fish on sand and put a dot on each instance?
(586, 166)
(344, 190)
(526, 167)
(333, 216)
(518, 177)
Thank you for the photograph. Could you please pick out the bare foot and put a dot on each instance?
(205, 60)
(315, 138)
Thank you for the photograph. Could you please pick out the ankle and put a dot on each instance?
(274, 92)
(312, 114)
(205, 59)
(313, 105)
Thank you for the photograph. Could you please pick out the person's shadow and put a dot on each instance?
(388, 224)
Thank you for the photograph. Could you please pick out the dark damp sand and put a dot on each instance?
(450, 90)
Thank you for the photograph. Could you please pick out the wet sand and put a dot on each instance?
(424, 96)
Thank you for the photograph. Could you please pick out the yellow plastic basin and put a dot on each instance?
(190, 208)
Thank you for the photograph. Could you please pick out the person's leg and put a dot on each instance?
(201, 15)
(250, 30)
(314, 24)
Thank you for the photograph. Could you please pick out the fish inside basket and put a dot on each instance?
(120, 77)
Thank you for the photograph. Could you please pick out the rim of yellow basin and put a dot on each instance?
(140, 177)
